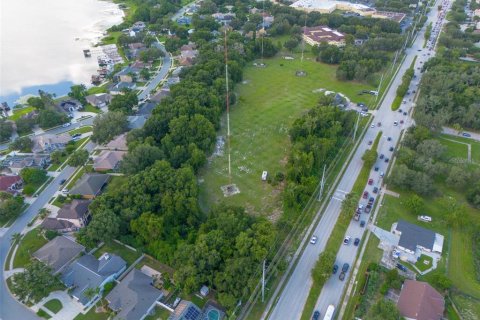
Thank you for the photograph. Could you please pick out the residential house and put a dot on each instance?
(138, 26)
(69, 105)
(184, 20)
(159, 95)
(134, 50)
(118, 143)
(419, 301)
(50, 142)
(136, 122)
(127, 75)
(134, 297)
(55, 224)
(187, 54)
(75, 212)
(415, 239)
(58, 253)
(10, 184)
(99, 100)
(15, 164)
(119, 88)
(186, 310)
(108, 160)
(223, 18)
(316, 35)
(139, 65)
(90, 185)
(88, 273)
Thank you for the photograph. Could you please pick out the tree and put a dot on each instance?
(441, 281)
(145, 74)
(36, 102)
(349, 204)
(323, 268)
(431, 149)
(24, 125)
(16, 237)
(49, 118)
(454, 213)
(291, 43)
(33, 175)
(370, 157)
(6, 130)
(78, 158)
(140, 158)
(78, 92)
(108, 125)
(458, 177)
(151, 54)
(22, 144)
(105, 226)
(384, 310)
(10, 206)
(56, 156)
(415, 204)
(34, 283)
(90, 292)
(124, 103)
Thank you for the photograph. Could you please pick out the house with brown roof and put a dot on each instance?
(119, 143)
(10, 184)
(50, 142)
(108, 160)
(419, 301)
(316, 35)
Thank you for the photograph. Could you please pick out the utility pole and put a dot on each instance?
(322, 183)
(263, 282)
(303, 38)
(228, 107)
(378, 90)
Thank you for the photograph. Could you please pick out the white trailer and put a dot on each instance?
(329, 312)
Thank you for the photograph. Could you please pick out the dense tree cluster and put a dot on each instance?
(10, 206)
(124, 103)
(316, 138)
(108, 125)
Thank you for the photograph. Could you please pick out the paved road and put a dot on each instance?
(182, 11)
(453, 132)
(292, 300)
(166, 65)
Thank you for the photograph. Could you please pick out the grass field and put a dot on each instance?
(269, 100)
(93, 315)
(84, 129)
(454, 149)
(54, 305)
(475, 145)
(30, 243)
(424, 262)
(42, 314)
(159, 314)
(112, 247)
(18, 113)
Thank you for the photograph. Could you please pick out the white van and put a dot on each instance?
(425, 218)
(264, 175)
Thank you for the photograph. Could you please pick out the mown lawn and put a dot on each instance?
(83, 129)
(159, 314)
(475, 145)
(92, 315)
(424, 262)
(18, 113)
(112, 247)
(454, 149)
(269, 100)
(30, 243)
(54, 305)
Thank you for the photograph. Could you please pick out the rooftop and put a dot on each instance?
(413, 235)
(418, 300)
(58, 252)
(90, 184)
(75, 210)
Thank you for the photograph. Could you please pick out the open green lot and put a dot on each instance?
(18, 113)
(42, 314)
(475, 146)
(424, 262)
(30, 243)
(54, 305)
(93, 315)
(269, 100)
(112, 247)
(454, 149)
(159, 314)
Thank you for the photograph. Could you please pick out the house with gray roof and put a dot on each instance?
(415, 239)
(58, 253)
(89, 273)
(134, 297)
(75, 212)
(90, 185)
(57, 225)
(99, 100)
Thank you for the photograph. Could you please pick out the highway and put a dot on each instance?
(291, 302)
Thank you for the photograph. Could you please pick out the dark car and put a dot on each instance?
(404, 113)
(316, 315)
(63, 181)
(401, 267)
(382, 156)
(400, 110)
(375, 190)
(335, 269)
(465, 134)
(76, 135)
(356, 242)
(391, 149)
(401, 121)
(368, 208)
(370, 200)
(370, 182)
(386, 160)
(379, 124)
(362, 223)
(370, 142)
(376, 168)
(345, 267)
(389, 139)
(365, 194)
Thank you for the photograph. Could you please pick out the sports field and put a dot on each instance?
(268, 101)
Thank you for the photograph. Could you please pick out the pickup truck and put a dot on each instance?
(356, 217)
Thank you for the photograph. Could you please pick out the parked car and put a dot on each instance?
(313, 240)
(372, 126)
(356, 242)
(425, 218)
(362, 223)
(382, 156)
(375, 190)
(389, 139)
(391, 149)
(404, 113)
(346, 241)
(335, 268)
(401, 121)
(370, 142)
(382, 174)
(316, 315)
(368, 208)
(401, 267)
(68, 124)
(365, 194)
(376, 168)
(466, 134)
(395, 123)
(370, 181)
(63, 181)
(379, 124)
(400, 110)
(386, 160)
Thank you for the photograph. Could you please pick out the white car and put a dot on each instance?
(372, 126)
(68, 124)
(425, 218)
(313, 240)
(395, 123)
(346, 241)
(65, 191)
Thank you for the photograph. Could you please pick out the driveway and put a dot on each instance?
(70, 307)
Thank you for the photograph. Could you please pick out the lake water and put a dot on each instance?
(42, 42)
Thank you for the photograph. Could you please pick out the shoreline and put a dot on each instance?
(92, 34)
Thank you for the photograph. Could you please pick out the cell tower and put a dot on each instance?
(301, 72)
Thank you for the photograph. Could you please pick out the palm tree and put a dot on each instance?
(16, 237)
